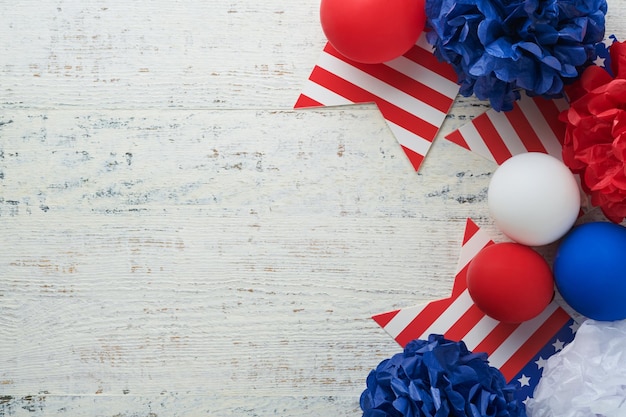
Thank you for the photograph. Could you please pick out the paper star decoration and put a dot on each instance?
(414, 92)
(532, 126)
(513, 348)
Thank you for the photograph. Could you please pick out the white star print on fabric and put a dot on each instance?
(524, 381)
(575, 326)
(541, 362)
(599, 61)
(558, 345)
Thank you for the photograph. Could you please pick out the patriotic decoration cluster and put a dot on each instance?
(511, 347)
(414, 93)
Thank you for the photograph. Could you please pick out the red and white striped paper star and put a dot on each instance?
(532, 126)
(413, 92)
(510, 346)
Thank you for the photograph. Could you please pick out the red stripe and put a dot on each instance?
(390, 111)
(427, 59)
(551, 113)
(415, 158)
(384, 318)
(457, 137)
(305, 101)
(400, 81)
(524, 130)
(534, 343)
(467, 321)
(492, 139)
(460, 282)
(422, 322)
(471, 229)
(496, 337)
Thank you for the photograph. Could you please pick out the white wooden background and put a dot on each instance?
(177, 241)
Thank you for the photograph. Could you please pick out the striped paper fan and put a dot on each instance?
(511, 347)
(414, 92)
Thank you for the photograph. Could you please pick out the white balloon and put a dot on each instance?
(534, 198)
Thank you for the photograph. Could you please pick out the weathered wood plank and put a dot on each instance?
(212, 251)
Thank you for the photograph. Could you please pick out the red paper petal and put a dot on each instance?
(618, 59)
(594, 77)
(595, 134)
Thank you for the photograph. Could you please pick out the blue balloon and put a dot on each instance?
(590, 270)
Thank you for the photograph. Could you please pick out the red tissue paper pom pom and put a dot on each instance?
(595, 138)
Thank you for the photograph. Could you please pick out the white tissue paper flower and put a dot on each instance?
(587, 378)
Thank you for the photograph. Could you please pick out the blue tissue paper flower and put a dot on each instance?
(438, 378)
(499, 47)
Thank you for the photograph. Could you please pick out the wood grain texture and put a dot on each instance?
(207, 255)
(177, 241)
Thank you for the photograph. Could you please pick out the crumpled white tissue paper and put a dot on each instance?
(587, 378)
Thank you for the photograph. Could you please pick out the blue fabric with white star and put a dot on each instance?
(603, 57)
(526, 380)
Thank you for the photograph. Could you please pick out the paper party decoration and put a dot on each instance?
(499, 47)
(516, 349)
(438, 378)
(532, 126)
(595, 136)
(413, 92)
(587, 377)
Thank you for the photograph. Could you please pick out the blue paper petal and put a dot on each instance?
(532, 45)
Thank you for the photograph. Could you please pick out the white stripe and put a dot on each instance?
(323, 95)
(561, 104)
(402, 319)
(504, 128)
(541, 127)
(478, 333)
(520, 336)
(381, 89)
(471, 248)
(422, 42)
(450, 316)
(409, 139)
(425, 76)
(475, 141)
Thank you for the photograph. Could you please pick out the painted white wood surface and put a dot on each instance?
(176, 241)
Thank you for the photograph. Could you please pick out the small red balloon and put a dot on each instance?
(510, 282)
(372, 31)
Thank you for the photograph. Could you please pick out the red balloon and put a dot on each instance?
(372, 31)
(510, 282)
